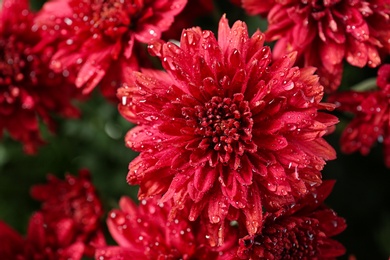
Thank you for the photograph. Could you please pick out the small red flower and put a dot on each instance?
(326, 32)
(41, 242)
(30, 92)
(225, 127)
(302, 231)
(66, 227)
(372, 116)
(100, 39)
(145, 232)
(71, 205)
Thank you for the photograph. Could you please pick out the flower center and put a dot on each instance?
(112, 17)
(225, 125)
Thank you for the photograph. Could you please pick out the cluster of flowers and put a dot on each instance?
(230, 134)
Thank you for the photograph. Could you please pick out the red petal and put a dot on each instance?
(253, 212)
(356, 53)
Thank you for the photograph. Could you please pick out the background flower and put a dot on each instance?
(371, 121)
(30, 93)
(100, 40)
(146, 232)
(326, 33)
(302, 231)
(66, 227)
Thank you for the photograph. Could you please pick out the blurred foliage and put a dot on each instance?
(95, 141)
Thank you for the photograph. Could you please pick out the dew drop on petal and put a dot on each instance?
(271, 187)
(215, 219)
(153, 32)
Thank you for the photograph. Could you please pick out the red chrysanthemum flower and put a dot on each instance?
(66, 227)
(29, 91)
(372, 116)
(145, 232)
(302, 231)
(224, 127)
(41, 242)
(100, 39)
(326, 32)
(52, 241)
(73, 205)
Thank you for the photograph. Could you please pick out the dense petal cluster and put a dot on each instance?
(100, 39)
(371, 122)
(29, 91)
(225, 127)
(66, 227)
(326, 32)
(145, 232)
(74, 205)
(302, 231)
(40, 243)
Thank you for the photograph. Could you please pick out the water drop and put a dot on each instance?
(152, 32)
(310, 235)
(68, 21)
(215, 219)
(170, 63)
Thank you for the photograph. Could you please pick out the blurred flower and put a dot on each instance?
(38, 243)
(71, 205)
(98, 39)
(372, 116)
(29, 91)
(66, 227)
(224, 128)
(326, 32)
(145, 232)
(302, 231)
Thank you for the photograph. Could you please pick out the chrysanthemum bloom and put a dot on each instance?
(73, 205)
(326, 32)
(224, 127)
(29, 91)
(302, 231)
(41, 242)
(98, 38)
(372, 116)
(145, 232)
